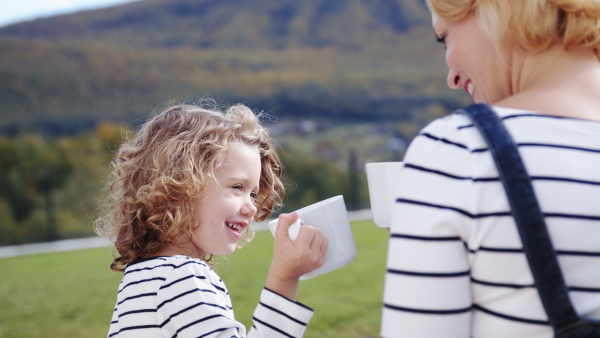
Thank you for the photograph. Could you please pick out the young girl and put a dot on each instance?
(185, 188)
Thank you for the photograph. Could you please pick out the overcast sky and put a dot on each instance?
(13, 11)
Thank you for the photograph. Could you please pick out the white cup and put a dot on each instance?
(382, 178)
(331, 217)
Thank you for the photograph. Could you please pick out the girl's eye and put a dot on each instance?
(253, 195)
(238, 187)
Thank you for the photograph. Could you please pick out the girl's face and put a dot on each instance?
(475, 64)
(225, 208)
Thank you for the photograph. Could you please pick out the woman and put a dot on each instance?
(456, 267)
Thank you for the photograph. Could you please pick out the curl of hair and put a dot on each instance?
(531, 25)
(156, 174)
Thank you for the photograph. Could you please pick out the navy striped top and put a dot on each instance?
(179, 296)
(456, 266)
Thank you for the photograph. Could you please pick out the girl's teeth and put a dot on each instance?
(470, 88)
(234, 226)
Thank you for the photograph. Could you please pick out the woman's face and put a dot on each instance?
(475, 64)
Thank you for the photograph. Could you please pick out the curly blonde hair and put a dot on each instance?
(156, 174)
(530, 25)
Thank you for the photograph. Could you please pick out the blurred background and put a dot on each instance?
(344, 82)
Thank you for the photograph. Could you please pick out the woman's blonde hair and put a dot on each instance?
(530, 25)
(156, 175)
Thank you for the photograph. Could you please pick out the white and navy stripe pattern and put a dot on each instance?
(182, 297)
(456, 266)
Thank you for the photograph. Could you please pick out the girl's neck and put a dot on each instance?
(172, 250)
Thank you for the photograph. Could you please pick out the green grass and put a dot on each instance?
(67, 294)
(72, 294)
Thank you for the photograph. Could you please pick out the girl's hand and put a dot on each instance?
(292, 259)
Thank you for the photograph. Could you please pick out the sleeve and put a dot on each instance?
(277, 316)
(194, 302)
(427, 284)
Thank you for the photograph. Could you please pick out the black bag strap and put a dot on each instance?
(530, 221)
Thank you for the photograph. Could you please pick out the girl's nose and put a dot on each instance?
(453, 79)
(249, 209)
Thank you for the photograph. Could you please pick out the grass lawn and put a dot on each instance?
(72, 294)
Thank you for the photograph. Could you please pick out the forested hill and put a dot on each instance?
(209, 24)
(348, 59)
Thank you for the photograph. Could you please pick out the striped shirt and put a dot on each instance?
(456, 266)
(179, 296)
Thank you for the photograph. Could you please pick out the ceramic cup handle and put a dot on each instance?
(294, 229)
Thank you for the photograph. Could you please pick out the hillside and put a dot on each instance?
(208, 24)
(338, 59)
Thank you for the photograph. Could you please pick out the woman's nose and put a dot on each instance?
(453, 79)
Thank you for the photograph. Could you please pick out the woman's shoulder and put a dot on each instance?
(453, 131)
(459, 120)
(458, 125)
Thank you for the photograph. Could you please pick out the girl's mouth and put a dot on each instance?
(235, 227)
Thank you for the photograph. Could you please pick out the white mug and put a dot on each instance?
(331, 217)
(382, 178)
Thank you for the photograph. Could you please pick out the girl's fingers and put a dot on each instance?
(307, 235)
(325, 244)
(317, 239)
(285, 220)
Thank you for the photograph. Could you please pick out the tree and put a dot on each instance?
(29, 166)
(309, 180)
